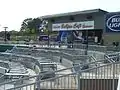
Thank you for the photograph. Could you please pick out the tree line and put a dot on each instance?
(29, 26)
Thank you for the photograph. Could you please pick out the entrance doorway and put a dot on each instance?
(94, 36)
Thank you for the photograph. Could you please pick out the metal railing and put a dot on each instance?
(75, 45)
(72, 76)
(103, 77)
(70, 54)
(54, 44)
(91, 78)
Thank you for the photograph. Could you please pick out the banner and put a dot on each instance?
(86, 25)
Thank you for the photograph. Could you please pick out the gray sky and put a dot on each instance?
(13, 12)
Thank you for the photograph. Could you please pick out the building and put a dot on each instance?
(91, 23)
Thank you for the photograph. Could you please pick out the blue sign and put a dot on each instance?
(112, 22)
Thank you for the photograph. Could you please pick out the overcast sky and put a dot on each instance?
(13, 12)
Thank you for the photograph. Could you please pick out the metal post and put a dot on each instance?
(5, 34)
(78, 81)
(113, 77)
(60, 59)
(48, 38)
(86, 48)
(38, 82)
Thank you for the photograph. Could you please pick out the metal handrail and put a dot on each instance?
(109, 59)
(80, 71)
(46, 72)
(49, 72)
(7, 53)
(93, 58)
(111, 62)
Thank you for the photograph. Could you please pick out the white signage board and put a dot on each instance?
(85, 25)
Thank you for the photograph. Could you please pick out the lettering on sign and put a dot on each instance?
(113, 23)
(73, 26)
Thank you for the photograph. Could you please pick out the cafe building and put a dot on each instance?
(98, 25)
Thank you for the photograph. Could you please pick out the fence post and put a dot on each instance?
(78, 81)
(113, 76)
(38, 82)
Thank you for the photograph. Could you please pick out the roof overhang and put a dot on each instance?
(74, 13)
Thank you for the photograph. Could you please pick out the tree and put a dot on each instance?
(33, 31)
(24, 24)
(8, 36)
(13, 33)
(31, 24)
(34, 24)
(2, 33)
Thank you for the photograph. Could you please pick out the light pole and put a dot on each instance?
(86, 46)
(86, 51)
(5, 34)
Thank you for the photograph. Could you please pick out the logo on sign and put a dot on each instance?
(113, 23)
